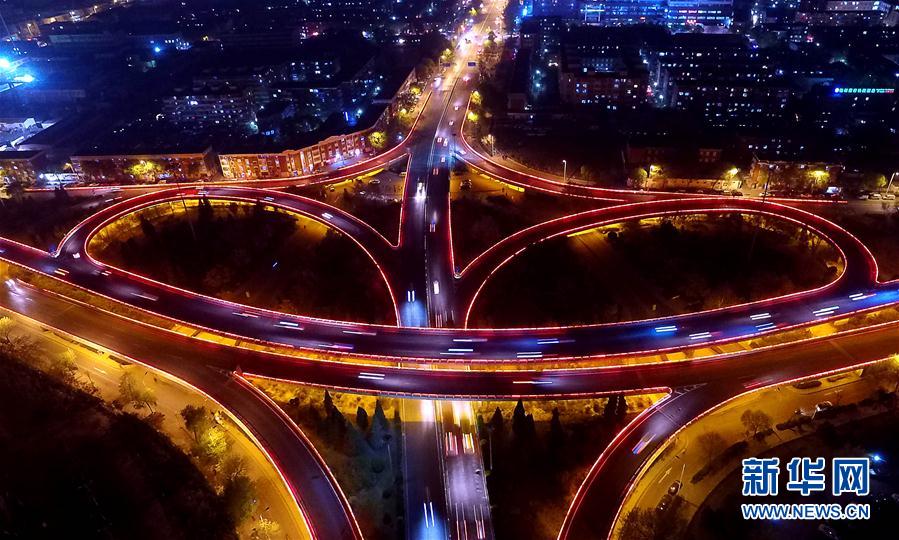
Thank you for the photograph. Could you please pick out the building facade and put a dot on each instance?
(145, 168)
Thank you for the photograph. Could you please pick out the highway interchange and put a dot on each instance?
(432, 301)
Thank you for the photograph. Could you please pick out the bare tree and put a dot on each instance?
(712, 444)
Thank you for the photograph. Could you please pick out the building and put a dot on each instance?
(206, 109)
(603, 67)
(673, 13)
(841, 108)
(145, 168)
(253, 166)
(623, 12)
(614, 86)
(566, 9)
(688, 13)
(20, 166)
(843, 13)
(333, 149)
(724, 81)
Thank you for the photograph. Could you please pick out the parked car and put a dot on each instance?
(823, 406)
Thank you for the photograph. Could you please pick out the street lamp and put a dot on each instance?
(893, 177)
(564, 170)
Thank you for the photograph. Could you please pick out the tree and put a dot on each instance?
(239, 496)
(380, 427)
(621, 409)
(134, 393)
(489, 141)
(62, 366)
(377, 139)
(638, 177)
(233, 466)
(556, 431)
(425, 69)
(328, 403)
(497, 424)
(874, 181)
(588, 174)
(15, 190)
(6, 328)
(755, 422)
(712, 444)
(615, 409)
(653, 523)
(886, 372)
(155, 419)
(519, 420)
(447, 55)
(197, 420)
(19, 346)
(362, 419)
(213, 444)
(265, 529)
(144, 170)
(639, 524)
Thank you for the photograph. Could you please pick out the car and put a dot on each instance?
(664, 502)
(862, 196)
(375, 181)
(466, 184)
(331, 188)
(452, 122)
(455, 107)
(805, 385)
(889, 196)
(823, 406)
(674, 487)
(875, 196)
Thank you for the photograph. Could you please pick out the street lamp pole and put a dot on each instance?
(490, 443)
(564, 170)
(893, 177)
(190, 223)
